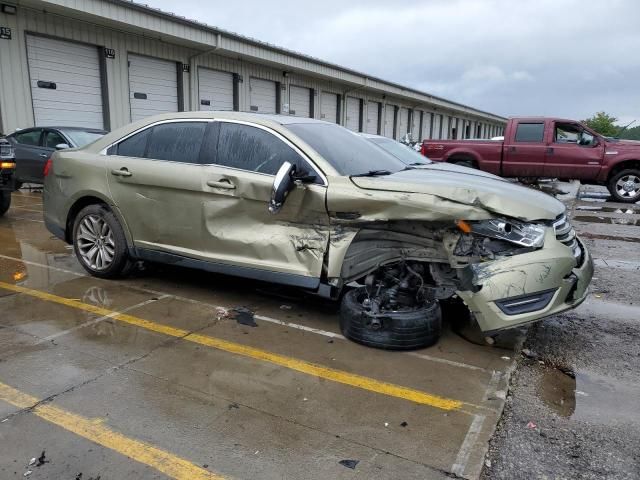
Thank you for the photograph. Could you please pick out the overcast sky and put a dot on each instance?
(511, 57)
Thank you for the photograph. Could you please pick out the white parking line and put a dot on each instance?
(258, 317)
(460, 464)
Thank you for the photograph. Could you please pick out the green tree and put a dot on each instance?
(631, 133)
(603, 123)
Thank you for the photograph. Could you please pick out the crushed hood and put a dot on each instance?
(469, 187)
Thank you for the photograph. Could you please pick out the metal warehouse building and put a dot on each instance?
(105, 63)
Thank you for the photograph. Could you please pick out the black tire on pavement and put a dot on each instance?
(5, 201)
(629, 176)
(121, 263)
(399, 330)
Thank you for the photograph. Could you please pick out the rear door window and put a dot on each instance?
(251, 148)
(31, 137)
(176, 142)
(134, 146)
(530, 132)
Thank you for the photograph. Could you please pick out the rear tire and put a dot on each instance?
(5, 201)
(399, 330)
(99, 242)
(624, 186)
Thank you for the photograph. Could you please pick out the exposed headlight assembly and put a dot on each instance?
(514, 231)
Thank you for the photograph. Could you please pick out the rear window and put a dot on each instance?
(530, 132)
(80, 138)
(28, 138)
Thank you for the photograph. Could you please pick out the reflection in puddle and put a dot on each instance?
(590, 397)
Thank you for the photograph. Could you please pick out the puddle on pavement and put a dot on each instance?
(628, 211)
(590, 397)
(609, 220)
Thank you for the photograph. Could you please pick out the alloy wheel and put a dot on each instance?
(628, 186)
(94, 240)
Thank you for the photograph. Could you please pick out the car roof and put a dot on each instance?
(55, 127)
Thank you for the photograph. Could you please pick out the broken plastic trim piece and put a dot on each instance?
(530, 302)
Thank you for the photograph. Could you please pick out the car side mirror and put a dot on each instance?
(282, 185)
(62, 146)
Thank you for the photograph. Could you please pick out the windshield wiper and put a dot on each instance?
(372, 173)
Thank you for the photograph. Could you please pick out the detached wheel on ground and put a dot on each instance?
(99, 242)
(624, 186)
(390, 330)
(5, 201)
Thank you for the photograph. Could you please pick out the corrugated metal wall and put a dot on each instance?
(15, 95)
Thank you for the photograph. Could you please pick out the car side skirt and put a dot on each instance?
(236, 271)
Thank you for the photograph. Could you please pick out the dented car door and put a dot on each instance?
(241, 162)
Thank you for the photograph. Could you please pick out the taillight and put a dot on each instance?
(47, 166)
(423, 149)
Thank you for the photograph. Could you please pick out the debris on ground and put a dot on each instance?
(27, 473)
(285, 307)
(233, 405)
(531, 425)
(349, 463)
(32, 461)
(42, 459)
(244, 316)
(404, 424)
(221, 313)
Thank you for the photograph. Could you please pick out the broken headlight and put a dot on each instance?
(514, 231)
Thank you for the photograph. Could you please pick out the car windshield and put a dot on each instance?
(80, 138)
(346, 151)
(405, 154)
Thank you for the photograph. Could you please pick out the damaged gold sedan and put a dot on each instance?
(307, 203)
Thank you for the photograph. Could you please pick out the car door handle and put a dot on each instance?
(44, 155)
(550, 150)
(512, 149)
(123, 172)
(226, 184)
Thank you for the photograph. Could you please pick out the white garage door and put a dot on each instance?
(329, 107)
(353, 114)
(65, 83)
(216, 89)
(389, 115)
(372, 117)
(262, 95)
(437, 127)
(403, 122)
(426, 125)
(416, 135)
(153, 86)
(299, 101)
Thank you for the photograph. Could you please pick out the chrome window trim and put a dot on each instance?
(295, 148)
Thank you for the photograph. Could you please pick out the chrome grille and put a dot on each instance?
(566, 234)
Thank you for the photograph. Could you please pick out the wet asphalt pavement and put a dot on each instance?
(573, 408)
(167, 374)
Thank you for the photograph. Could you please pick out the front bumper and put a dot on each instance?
(526, 277)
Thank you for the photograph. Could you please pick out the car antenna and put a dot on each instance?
(617, 135)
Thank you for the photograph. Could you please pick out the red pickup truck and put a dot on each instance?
(535, 147)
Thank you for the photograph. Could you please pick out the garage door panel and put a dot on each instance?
(389, 115)
(329, 107)
(262, 95)
(215, 87)
(353, 114)
(75, 70)
(158, 80)
(299, 101)
(372, 117)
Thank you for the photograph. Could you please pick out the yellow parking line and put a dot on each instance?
(95, 431)
(339, 376)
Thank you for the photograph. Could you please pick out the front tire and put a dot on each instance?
(395, 330)
(5, 201)
(624, 186)
(99, 242)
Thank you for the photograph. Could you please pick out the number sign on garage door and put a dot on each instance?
(263, 96)
(300, 101)
(215, 89)
(153, 86)
(329, 107)
(65, 83)
(353, 114)
(373, 110)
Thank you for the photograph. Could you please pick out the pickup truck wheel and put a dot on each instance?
(5, 201)
(463, 163)
(625, 186)
(391, 330)
(99, 242)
